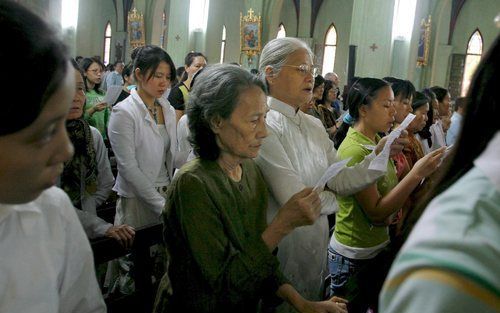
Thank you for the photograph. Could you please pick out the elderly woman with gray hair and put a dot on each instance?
(215, 217)
(295, 155)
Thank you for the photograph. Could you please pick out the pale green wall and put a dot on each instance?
(338, 12)
(476, 14)
(372, 23)
(288, 17)
(218, 13)
(92, 18)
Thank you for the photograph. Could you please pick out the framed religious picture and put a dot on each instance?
(136, 29)
(250, 33)
(423, 42)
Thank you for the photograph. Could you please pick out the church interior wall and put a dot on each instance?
(475, 14)
(338, 12)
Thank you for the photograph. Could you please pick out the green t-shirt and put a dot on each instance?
(99, 119)
(213, 229)
(353, 228)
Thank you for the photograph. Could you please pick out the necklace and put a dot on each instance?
(153, 111)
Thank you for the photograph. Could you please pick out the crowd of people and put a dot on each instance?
(229, 161)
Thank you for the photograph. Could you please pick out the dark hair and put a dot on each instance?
(363, 92)
(402, 89)
(77, 67)
(116, 63)
(480, 124)
(318, 80)
(461, 103)
(180, 70)
(329, 85)
(440, 92)
(189, 59)
(430, 94)
(127, 71)
(425, 133)
(147, 59)
(419, 100)
(195, 76)
(36, 49)
(215, 95)
(254, 71)
(84, 65)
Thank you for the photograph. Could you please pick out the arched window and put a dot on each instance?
(330, 49)
(474, 52)
(281, 31)
(107, 43)
(223, 44)
(163, 29)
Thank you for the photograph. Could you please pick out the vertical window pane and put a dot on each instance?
(474, 51)
(330, 49)
(223, 44)
(107, 50)
(107, 43)
(475, 45)
(281, 31)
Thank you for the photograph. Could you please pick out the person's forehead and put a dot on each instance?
(299, 57)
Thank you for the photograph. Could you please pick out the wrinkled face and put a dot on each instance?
(197, 64)
(444, 106)
(420, 119)
(93, 73)
(36, 153)
(241, 135)
(403, 107)
(379, 116)
(158, 83)
(291, 85)
(318, 91)
(76, 109)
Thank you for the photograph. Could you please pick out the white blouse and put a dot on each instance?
(295, 155)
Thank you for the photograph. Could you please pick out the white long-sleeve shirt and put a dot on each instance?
(139, 148)
(46, 262)
(295, 155)
(93, 225)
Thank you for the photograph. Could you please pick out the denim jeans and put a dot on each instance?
(340, 268)
(346, 283)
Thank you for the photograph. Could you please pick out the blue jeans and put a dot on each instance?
(340, 268)
(347, 281)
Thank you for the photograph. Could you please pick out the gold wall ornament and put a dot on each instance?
(250, 34)
(136, 28)
(424, 42)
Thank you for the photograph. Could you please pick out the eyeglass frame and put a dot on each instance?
(314, 70)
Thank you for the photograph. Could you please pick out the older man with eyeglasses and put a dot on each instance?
(296, 153)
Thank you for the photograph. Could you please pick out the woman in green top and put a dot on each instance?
(215, 217)
(96, 111)
(361, 231)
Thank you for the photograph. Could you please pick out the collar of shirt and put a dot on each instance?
(489, 162)
(287, 110)
(6, 209)
(280, 106)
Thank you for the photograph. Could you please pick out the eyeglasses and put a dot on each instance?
(305, 69)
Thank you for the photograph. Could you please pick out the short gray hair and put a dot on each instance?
(276, 52)
(215, 95)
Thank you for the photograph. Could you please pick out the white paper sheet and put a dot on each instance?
(330, 173)
(112, 94)
(380, 161)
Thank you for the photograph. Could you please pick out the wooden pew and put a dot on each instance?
(107, 249)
